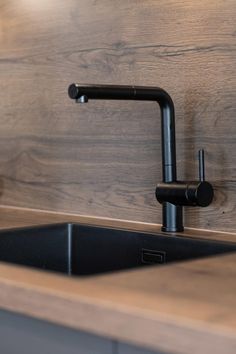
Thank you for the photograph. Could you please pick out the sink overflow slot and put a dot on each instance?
(153, 256)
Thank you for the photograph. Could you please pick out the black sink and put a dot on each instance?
(86, 250)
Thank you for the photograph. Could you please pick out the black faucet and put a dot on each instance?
(172, 194)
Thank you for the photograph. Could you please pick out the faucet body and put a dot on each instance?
(170, 193)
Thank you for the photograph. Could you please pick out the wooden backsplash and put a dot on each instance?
(104, 158)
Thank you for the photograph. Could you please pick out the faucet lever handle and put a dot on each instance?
(201, 161)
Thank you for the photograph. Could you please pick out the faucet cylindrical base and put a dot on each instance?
(172, 218)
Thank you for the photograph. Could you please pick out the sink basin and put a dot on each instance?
(81, 250)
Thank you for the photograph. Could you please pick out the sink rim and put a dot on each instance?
(183, 236)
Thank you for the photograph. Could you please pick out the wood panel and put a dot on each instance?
(103, 158)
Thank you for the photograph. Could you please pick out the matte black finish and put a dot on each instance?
(172, 217)
(81, 250)
(183, 193)
(172, 194)
(201, 159)
(82, 93)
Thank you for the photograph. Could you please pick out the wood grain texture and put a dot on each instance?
(104, 159)
(166, 317)
(12, 217)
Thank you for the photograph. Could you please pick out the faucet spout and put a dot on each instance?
(83, 93)
(172, 194)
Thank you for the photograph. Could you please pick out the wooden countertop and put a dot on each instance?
(188, 307)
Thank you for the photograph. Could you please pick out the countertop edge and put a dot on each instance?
(119, 322)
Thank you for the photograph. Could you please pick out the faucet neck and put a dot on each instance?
(83, 92)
